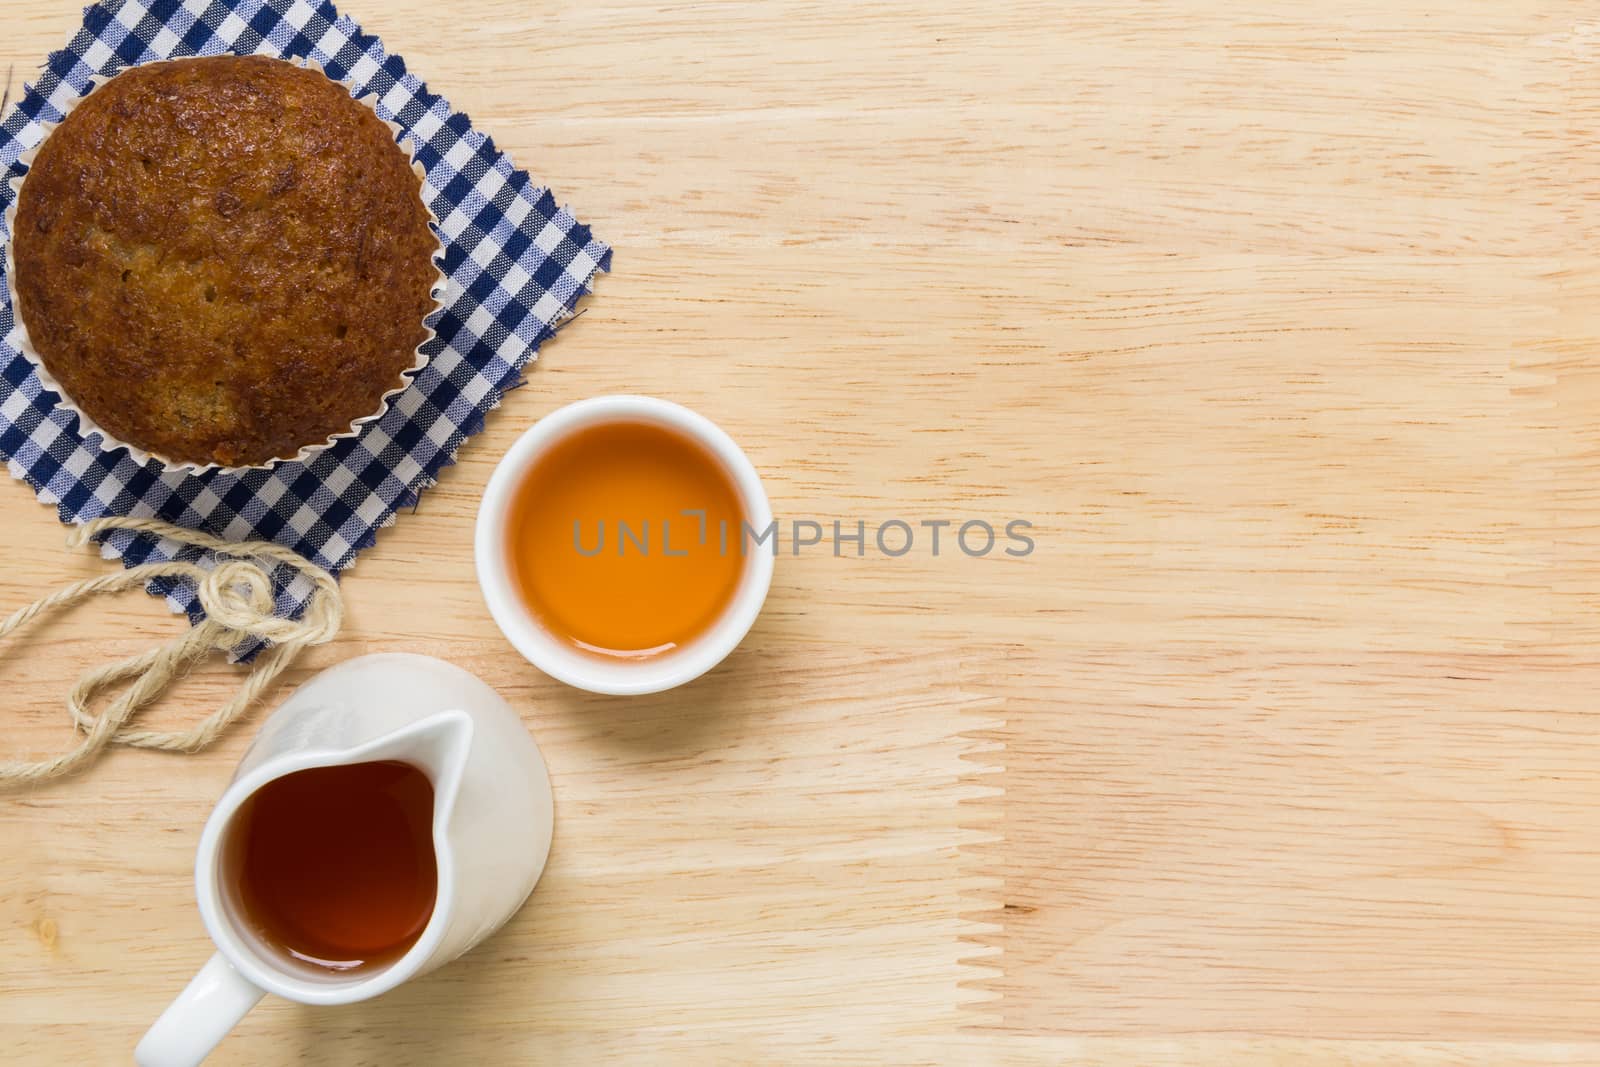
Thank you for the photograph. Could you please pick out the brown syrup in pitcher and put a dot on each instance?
(334, 866)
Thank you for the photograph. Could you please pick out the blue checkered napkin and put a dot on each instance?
(516, 265)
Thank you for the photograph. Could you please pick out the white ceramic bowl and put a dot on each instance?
(556, 657)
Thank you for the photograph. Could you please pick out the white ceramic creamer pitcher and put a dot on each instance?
(492, 820)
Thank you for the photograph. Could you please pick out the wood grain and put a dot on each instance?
(1275, 319)
(778, 847)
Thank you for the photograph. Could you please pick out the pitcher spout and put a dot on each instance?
(438, 745)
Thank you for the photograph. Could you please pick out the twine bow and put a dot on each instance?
(237, 597)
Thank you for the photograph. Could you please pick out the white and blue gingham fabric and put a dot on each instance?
(516, 265)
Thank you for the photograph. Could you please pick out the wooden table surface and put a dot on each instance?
(1275, 319)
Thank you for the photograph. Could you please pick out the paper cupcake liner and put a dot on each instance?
(88, 427)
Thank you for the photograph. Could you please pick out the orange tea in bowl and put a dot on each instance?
(617, 547)
(624, 539)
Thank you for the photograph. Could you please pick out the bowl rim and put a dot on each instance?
(558, 658)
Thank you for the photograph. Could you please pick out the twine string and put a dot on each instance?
(236, 594)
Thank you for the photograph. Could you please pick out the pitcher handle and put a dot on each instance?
(193, 1024)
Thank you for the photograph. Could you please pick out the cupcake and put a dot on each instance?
(223, 262)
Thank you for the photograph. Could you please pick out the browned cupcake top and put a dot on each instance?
(223, 260)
